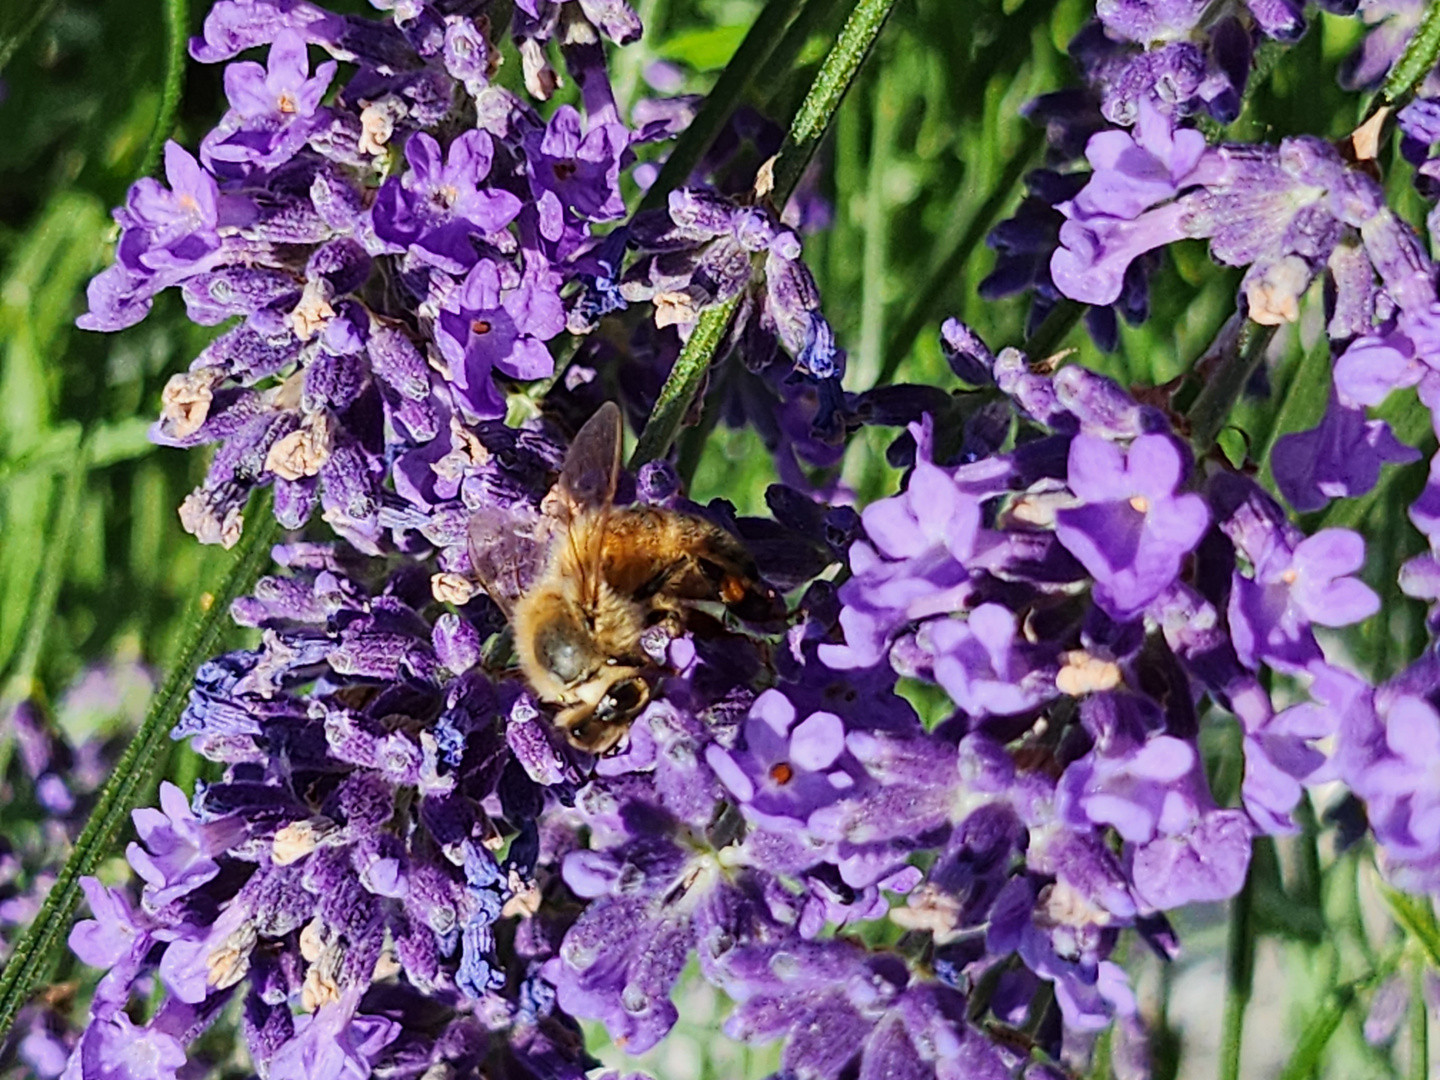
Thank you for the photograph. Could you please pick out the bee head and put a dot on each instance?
(598, 727)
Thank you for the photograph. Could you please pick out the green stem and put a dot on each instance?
(1239, 979)
(1418, 60)
(1225, 382)
(1419, 1027)
(856, 39)
(816, 112)
(177, 27)
(749, 60)
(21, 684)
(34, 950)
(1323, 1024)
(52, 572)
(683, 383)
(818, 18)
(1417, 918)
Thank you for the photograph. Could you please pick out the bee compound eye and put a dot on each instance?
(560, 653)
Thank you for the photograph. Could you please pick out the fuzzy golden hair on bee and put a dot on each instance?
(599, 578)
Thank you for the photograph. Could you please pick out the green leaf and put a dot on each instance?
(707, 49)
(1239, 977)
(177, 22)
(1322, 1023)
(1417, 917)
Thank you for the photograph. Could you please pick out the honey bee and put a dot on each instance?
(582, 582)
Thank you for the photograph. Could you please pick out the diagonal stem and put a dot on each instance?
(177, 25)
(1418, 60)
(750, 59)
(811, 123)
(132, 775)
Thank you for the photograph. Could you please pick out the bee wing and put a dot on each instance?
(507, 551)
(587, 490)
(592, 466)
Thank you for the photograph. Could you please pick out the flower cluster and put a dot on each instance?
(389, 253)
(1291, 214)
(399, 824)
(405, 869)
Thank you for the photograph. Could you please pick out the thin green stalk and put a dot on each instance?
(851, 48)
(745, 66)
(774, 97)
(1419, 1027)
(1225, 382)
(35, 949)
(21, 683)
(1305, 1061)
(1239, 980)
(177, 29)
(1323, 1024)
(52, 573)
(683, 383)
(813, 120)
(1417, 918)
(1418, 59)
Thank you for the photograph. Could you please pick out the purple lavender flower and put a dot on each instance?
(579, 173)
(1389, 750)
(790, 765)
(345, 272)
(982, 666)
(272, 111)
(1186, 850)
(489, 325)
(171, 857)
(166, 235)
(1110, 222)
(1132, 530)
(704, 256)
(438, 205)
(1341, 458)
(1270, 613)
(113, 1048)
(1282, 211)
(923, 538)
